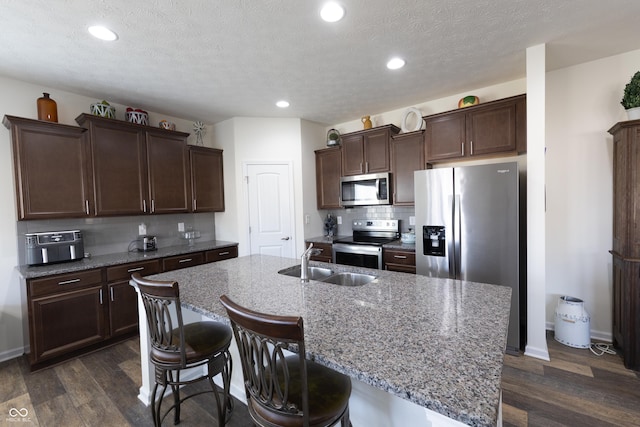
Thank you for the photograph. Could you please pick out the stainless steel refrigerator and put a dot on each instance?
(467, 228)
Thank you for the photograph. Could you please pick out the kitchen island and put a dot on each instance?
(437, 343)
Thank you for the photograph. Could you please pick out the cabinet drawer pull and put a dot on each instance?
(185, 260)
(131, 270)
(400, 256)
(223, 253)
(67, 282)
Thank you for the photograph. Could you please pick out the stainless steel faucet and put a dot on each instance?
(304, 262)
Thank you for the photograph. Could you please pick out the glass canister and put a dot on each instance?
(47, 109)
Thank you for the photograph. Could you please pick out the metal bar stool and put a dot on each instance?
(178, 347)
(284, 390)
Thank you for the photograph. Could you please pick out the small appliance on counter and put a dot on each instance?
(54, 246)
(147, 243)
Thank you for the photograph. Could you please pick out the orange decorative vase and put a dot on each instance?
(366, 121)
(47, 109)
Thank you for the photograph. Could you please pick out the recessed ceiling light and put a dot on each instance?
(395, 63)
(332, 12)
(282, 104)
(102, 33)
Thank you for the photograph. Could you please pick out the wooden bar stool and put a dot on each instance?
(284, 390)
(175, 347)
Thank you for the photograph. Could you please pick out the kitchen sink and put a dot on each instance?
(328, 276)
(350, 279)
(315, 273)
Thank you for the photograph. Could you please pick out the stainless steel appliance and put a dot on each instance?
(364, 247)
(147, 243)
(365, 190)
(54, 246)
(467, 228)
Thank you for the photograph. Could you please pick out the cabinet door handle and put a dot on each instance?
(100, 296)
(153, 205)
(223, 253)
(471, 147)
(361, 168)
(462, 153)
(185, 260)
(195, 205)
(67, 282)
(131, 270)
(111, 293)
(86, 206)
(144, 206)
(400, 256)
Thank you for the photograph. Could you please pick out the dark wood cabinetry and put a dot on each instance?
(367, 151)
(221, 254)
(137, 169)
(407, 156)
(485, 130)
(123, 299)
(626, 238)
(328, 172)
(182, 261)
(207, 182)
(66, 313)
(399, 260)
(325, 254)
(52, 171)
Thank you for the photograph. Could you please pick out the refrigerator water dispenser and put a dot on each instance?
(433, 240)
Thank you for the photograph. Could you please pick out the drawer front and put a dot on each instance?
(325, 252)
(182, 261)
(400, 257)
(222, 253)
(124, 272)
(64, 282)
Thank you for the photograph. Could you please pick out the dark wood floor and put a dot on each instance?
(576, 388)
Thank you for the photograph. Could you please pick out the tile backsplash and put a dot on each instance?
(115, 234)
(401, 213)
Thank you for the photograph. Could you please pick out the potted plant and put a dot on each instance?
(631, 99)
(333, 137)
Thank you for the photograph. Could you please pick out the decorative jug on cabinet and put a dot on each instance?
(366, 121)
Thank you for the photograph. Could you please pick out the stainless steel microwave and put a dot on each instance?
(365, 190)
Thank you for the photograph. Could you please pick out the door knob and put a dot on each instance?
(285, 238)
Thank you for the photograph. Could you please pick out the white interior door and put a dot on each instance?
(271, 228)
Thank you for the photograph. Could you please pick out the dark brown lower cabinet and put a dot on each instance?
(399, 260)
(325, 250)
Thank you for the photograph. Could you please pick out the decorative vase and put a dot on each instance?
(366, 121)
(633, 113)
(468, 101)
(47, 109)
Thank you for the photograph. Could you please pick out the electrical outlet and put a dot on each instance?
(412, 220)
(339, 220)
(181, 226)
(142, 229)
(307, 219)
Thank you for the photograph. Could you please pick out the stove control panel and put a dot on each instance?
(375, 225)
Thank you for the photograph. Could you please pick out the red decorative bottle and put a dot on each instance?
(47, 109)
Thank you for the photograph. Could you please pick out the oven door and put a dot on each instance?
(357, 255)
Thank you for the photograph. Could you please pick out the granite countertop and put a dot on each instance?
(436, 342)
(30, 272)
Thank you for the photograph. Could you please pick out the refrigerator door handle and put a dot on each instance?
(450, 236)
(457, 241)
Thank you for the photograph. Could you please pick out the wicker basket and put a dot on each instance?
(103, 110)
(137, 117)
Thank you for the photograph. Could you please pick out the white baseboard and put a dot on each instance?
(12, 354)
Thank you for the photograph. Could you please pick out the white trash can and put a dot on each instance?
(572, 323)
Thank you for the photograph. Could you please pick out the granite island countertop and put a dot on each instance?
(97, 261)
(438, 343)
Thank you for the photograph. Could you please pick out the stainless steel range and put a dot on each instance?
(364, 247)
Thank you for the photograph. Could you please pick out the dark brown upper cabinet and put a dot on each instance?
(485, 130)
(137, 169)
(52, 171)
(367, 151)
(207, 179)
(407, 156)
(328, 169)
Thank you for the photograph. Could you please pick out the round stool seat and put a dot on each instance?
(201, 340)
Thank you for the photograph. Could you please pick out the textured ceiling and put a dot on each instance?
(215, 59)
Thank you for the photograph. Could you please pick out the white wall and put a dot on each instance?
(19, 99)
(583, 102)
(268, 140)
